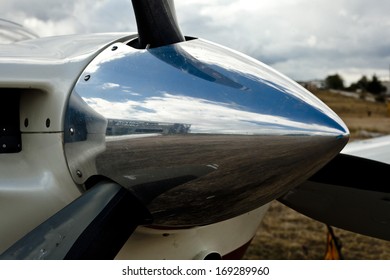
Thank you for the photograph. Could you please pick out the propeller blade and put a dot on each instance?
(94, 226)
(350, 192)
(156, 23)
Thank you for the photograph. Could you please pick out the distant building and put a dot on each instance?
(313, 84)
(130, 127)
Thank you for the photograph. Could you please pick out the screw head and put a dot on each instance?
(79, 174)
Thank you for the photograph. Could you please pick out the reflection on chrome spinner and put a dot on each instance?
(197, 132)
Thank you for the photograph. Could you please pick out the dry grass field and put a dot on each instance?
(285, 234)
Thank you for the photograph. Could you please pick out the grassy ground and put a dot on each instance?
(363, 118)
(286, 234)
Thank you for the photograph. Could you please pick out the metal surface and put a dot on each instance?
(195, 242)
(35, 182)
(197, 132)
(45, 70)
(377, 149)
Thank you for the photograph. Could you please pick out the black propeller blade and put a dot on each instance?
(94, 226)
(156, 23)
(349, 192)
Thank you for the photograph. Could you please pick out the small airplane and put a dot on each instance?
(156, 145)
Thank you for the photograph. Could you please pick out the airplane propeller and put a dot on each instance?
(97, 224)
(94, 226)
(100, 221)
(350, 192)
(156, 23)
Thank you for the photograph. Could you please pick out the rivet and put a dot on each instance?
(26, 122)
(79, 174)
(48, 123)
(87, 77)
(71, 130)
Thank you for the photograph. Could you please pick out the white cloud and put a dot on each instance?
(110, 86)
(54, 17)
(203, 116)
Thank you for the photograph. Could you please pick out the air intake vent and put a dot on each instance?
(10, 136)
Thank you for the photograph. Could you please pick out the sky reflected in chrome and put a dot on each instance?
(214, 89)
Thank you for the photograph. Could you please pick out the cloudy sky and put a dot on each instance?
(304, 39)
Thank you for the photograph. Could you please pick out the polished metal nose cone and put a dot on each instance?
(199, 133)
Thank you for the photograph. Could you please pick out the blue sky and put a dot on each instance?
(304, 39)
